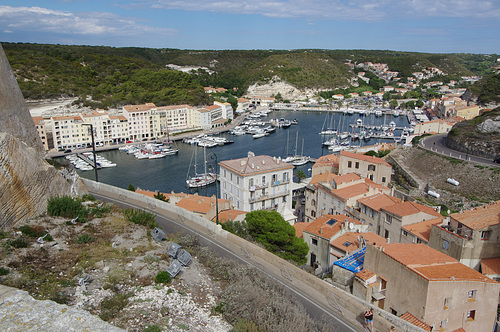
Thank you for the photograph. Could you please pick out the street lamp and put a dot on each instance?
(93, 148)
(216, 192)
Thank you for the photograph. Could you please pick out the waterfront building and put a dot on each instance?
(433, 287)
(41, 130)
(371, 167)
(326, 164)
(138, 117)
(68, 132)
(227, 110)
(174, 118)
(243, 105)
(258, 183)
(101, 125)
(119, 129)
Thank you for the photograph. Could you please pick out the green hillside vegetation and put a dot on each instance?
(487, 89)
(132, 75)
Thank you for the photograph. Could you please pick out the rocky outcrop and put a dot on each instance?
(275, 86)
(20, 312)
(479, 136)
(26, 179)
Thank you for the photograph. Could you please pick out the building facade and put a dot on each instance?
(371, 167)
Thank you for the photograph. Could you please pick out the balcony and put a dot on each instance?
(278, 183)
(258, 186)
(258, 198)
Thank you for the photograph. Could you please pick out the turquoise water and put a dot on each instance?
(169, 173)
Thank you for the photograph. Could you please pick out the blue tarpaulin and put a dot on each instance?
(354, 261)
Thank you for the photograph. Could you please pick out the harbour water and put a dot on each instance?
(169, 174)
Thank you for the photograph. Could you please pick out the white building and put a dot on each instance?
(138, 120)
(68, 132)
(101, 125)
(175, 116)
(227, 110)
(258, 183)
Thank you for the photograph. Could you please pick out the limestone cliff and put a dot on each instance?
(26, 179)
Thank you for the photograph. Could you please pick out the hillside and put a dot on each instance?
(486, 91)
(117, 76)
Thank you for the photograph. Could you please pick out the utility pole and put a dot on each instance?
(93, 148)
(216, 192)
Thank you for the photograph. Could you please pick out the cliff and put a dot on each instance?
(26, 179)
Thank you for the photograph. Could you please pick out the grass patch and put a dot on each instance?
(111, 306)
(163, 277)
(141, 217)
(85, 238)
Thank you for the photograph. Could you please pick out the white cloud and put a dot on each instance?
(89, 23)
(359, 10)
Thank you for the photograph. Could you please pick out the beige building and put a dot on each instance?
(326, 164)
(243, 105)
(419, 232)
(175, 118)
(68, 133)
(41, 130)
(433, 287)
(119, 128)
(368, 209)
(138, 121)
(466, 112)
(394, 217)
(311, 196)
(371, 167)
(470, 236)
(435, 126)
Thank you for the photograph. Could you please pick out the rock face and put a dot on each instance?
(479, 136)
(26, 179)
(276, 86)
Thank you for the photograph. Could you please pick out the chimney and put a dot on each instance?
(388, 241)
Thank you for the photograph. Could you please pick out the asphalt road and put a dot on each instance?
(436, 143)
(316, 311)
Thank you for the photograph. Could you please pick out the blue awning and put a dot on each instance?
(354, 261)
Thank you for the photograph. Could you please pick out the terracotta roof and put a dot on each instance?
(299, 228)
(410, 208)
(212, 107)
(139, 108)
(346, 178)
(480, 217)
(198, 204)
(323, 177)
(173, 107)
(365, 274)
(255, 164)
(371, 159)
(356, 190)
(490, 265)
(378, 201)
(329, 159)
(459, 330)
(423, 229)
(320, 226)
(228, 215)
(37, 119)
(93, 113)
(430, 263)
(415, 321)
(349, 242)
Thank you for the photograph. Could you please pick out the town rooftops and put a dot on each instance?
(255, 164)
(422, 229)
(138, 108)
(198, 204)
(66, 117)
(212, 107)
(349, 241)
(299, 228)
(38, 120)
(327, 160)
(431, 264)
(356, 189)
(328, 225)
(346, 178)
(480, 217)
(409, 208)
(323, 177)
(93, 114)
(365, 274)
(173, 107)
(371, 159)
(415, 321)
(228, 215)
(378, 201)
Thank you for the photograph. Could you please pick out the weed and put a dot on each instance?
(219, 309)
(151, 259)
(35, 231)
(112, 305)
(182, 326)
(152, 328)
(18, 243)
(479, 166)
(163, 277)
(141, 217)
(65, 206)
(182, 292)
(4, 271)
(85, 238)
(170, 291)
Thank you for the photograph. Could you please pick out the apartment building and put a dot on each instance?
(227, 110)
(175, 118)
(371, 167)
(138, 121)
(311, 196)
(326, 164)
(41, 130)
(258, 183)
(419, 232)
(101, 124)
(119, 129)
(368, 209)
(68, 133)
(431, 286)
(469, 236)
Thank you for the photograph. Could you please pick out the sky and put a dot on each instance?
(434, 26)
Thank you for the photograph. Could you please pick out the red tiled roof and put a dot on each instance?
(329, 159)
(409, 208)
(423, 229)
(365, 274)
(378, 201)
(371, 159)
(228, 215)
(320, 227)
(199, 204)
(349, 242)
(480, 217)
(415, 321)
(490, 265)
(323, 177)
(299, 228)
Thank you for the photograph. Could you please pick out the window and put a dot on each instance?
(446, 245)
(314, 242)
(443, 324)
(349, 164)
(371, 167)
(388, 219)
(447, 303)
(485, 235)
(394, 312)
(471, 295)
(471, 315)
(383, 179)
(357, 164)
(405, 233)
(313, 213)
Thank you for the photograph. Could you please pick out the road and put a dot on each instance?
(436, 143)
(316, 311)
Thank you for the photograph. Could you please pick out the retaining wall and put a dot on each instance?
(336, 300)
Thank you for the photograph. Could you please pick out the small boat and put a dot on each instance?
(300, 160)
(259, 135)
(203, 179)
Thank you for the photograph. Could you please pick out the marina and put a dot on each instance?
(169, 174)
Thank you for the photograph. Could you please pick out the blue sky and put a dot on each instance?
(437, 26)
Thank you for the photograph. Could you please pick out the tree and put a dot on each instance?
(160, 196)
(130, 187)
(278, 236)
(301, 175)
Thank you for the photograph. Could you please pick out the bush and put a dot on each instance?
(35, 231)
(163, 277)
(112, 305)
(19, 243)
(140, 217)
(85, 238)
(4, 271)
(66, 207)
(152, 328)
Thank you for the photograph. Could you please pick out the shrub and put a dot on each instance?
(65, 206)
(19, 243)
(35, 231)
(85, 238)
(163, 277)
(4, 271)
(152, 328)
(140, 217)
(112, 305)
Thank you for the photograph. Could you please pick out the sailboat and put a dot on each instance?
(202, 179)
(301, 160)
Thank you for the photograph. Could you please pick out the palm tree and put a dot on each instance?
(300, 175)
